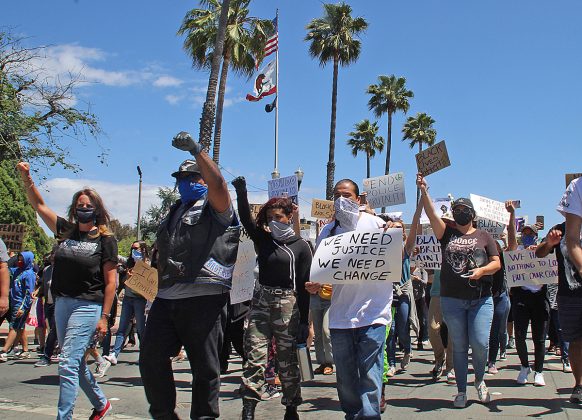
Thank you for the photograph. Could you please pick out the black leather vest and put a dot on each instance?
(199, 249)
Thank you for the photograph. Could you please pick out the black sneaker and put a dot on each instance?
(576, 396)
(291, 413)
(437, 370)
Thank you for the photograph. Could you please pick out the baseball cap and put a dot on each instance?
(188, 166)
(463, 202)
(532, 227)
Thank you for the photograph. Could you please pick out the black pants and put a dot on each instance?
(233, 335)
(534, 307)
(51, 340)
(196, 323)
(422, 314)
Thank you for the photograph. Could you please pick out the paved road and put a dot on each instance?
(31, 393)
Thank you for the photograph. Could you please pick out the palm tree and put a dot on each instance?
(388, 96)
(244, 40)
(419, 130)
(333, 37)
(365, 139)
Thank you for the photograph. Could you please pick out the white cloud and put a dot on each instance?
(167, 81)
(173, 99)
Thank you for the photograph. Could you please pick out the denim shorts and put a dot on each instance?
(570, 313)
(18, 323)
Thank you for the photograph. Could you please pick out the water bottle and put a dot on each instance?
(305, 366)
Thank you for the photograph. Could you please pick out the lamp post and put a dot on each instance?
(299, 174)
(139, 206)
(275, 174)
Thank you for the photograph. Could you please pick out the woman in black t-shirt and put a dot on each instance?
(83, 286)
(470, 258)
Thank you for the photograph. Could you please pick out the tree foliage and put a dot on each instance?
(365, 139)
(38, 122)
(156, 213)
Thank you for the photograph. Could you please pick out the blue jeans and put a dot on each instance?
(469, 323)
(76, 321)
(358, 355)
(132, 306)
(401, 323)
(498, 326)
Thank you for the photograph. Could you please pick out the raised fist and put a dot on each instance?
(239, 183)
(184, 141)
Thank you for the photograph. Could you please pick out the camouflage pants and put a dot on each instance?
(272, 316)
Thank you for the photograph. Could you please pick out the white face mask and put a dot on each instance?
(347, 213)
(281, 231)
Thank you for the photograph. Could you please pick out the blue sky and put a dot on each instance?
(501, 79)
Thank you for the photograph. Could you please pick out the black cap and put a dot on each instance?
(463, 202)
(188, 166)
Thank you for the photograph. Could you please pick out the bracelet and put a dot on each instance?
(105, 315)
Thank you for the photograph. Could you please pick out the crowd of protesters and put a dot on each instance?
(465, 306)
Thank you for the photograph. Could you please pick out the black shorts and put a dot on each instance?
(570, 313)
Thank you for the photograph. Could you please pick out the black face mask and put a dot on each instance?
(85, 215)
(462, 219)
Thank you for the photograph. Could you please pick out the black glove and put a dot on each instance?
(239, 183)
(302, 333)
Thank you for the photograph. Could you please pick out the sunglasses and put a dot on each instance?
(462, 210)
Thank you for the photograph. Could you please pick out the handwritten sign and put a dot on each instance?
(395, 216)
(385, 191)
(487, 208)
(243, 278)
(322, 209)
(493, 228)
(433, 159)
(255, 210)
(522, 268)
(429, 252)
(144, 280)
(441, 206)
(571, 177)
(13, 236)
(280, 187)
(359, 257)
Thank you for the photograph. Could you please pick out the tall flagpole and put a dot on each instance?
(275, 173)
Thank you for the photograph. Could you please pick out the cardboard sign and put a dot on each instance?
(322, 209)
(143, 280)
(429, 252)
(441, 206)
(280, 187)
(359, 257)
(493, 228)
(243, 278)
(522, 268)
(487, 208)
(13, 236)
(433, 159)
(385, 191)
(571, 177)
(255, 210)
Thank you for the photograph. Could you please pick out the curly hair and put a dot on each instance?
(284, 204)
(102, 218)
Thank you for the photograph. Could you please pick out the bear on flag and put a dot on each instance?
(265, 83)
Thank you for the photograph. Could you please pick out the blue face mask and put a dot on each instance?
(190, 190)
(528, 240)
(136, 255)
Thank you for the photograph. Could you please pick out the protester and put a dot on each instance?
(319, 307)
(49, 311)
(234, 333)
(23, 280)
(4, 281)
(470, 258)
(358, 317)
(83, 284)
(197, 245)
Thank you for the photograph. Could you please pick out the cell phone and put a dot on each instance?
(540, 222)
(467, 275)
(516, 203)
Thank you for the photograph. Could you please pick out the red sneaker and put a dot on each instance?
(99, 414)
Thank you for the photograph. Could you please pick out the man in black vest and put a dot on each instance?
(197, 245)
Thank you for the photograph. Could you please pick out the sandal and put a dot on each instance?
(328, 370)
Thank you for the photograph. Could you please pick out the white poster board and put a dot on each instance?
(385, 190)
(243, 278)
(359, 257)
(280, 186)
(487, 208)
(429, 252)
(522, 268)
(493, 228)
(441, 206)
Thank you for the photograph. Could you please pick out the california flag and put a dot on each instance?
(265, 83)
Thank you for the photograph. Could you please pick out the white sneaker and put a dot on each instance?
(102, 368)
(460, 400)
(566, 366)
(539, 379)
(3, 357)
(451, 380)
(523, 374)
(111, 359)
(483, 392)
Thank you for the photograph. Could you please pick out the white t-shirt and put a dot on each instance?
(571, 201)
(355, 306)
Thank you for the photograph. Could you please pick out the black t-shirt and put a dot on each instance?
(569, 280)
(499, 282)
(461, 254)
(79, 259)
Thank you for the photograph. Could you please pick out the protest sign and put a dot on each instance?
(520, 222)
(322, 209)
(429, 252)
(143, 280)
(487, 208)
(522, 268)
(280, 187)
(359, 257)
(13, 236)
(493, 228)
(441, 206)
(571, 177)
(395, 216)
(243, 277)
(385, 191)
(433, 159)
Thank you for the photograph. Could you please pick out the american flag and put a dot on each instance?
(272, 44)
